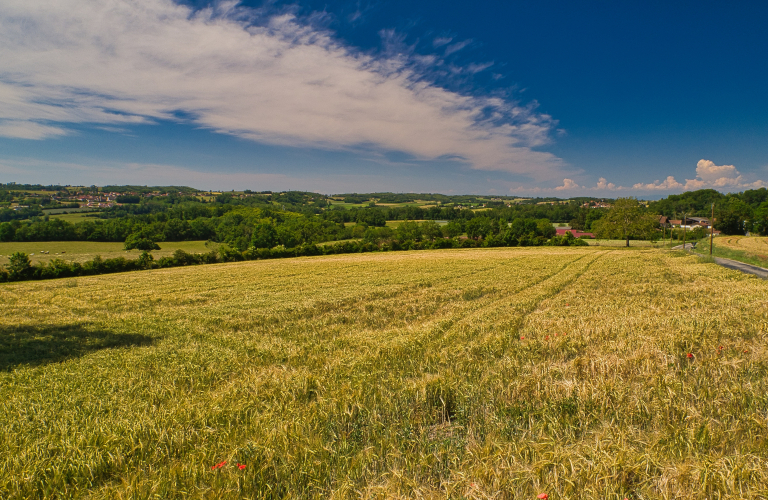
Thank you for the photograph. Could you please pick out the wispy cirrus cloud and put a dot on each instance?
(455, 47)
(275, 79)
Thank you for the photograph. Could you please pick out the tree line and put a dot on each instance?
(290, 219)
(408, 236)
(735, 213)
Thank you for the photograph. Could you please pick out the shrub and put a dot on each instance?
(230, 254)
(140, 243)
(56, 268)
(145, 260)
(182, 258)
(19, 266)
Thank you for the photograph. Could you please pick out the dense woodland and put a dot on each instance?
(242, 220)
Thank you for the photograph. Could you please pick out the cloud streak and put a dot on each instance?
(271, 79)
(153, 174)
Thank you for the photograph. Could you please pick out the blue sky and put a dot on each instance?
(516, 98)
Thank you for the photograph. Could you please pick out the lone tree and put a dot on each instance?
(625, 219)
(19, 266)
(140, 243)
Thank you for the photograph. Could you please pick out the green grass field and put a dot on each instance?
(81, 251)
(582, 372)
(74, 217)
(394, 223)
(417, 203)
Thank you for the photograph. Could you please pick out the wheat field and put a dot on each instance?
(580, 372)
(752, 244)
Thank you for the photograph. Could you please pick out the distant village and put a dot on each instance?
(103, 200)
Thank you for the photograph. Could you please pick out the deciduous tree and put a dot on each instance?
(624, 220)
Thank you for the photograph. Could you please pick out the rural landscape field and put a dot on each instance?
(750, 249)
(583, 372)
(82, 251)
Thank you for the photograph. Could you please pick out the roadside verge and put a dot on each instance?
(758, 271)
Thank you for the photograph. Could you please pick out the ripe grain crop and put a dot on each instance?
(483, 373)
(752, 244)
(750, 249)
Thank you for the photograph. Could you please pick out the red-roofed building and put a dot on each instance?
(574, 232)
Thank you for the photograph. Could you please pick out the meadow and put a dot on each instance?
(395, 223)
(82, 251)
(580, 372)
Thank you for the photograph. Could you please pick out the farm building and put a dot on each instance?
(576, 233)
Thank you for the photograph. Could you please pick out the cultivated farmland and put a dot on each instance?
(750, 249)
(752, 244)
(581, 372)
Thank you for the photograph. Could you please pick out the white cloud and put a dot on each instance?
(708, 171)
(603, 184)
(118, 62)
(669, 184)
(708, 176)
(568, 185)
(24, 129)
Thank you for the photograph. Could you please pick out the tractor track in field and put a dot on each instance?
(524, 308)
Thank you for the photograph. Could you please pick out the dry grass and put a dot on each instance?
(494, 373)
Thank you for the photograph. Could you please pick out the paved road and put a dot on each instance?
(760, 272)
(688, 246)
(744, 268)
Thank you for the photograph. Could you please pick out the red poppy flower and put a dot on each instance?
(522, 337)
(690, 355)
(219, 465)
(542, 496)
(721, 348)
(745, 351)
(241, 466)
(546, 338)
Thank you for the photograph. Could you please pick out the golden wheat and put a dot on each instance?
(494, 373)
(753, 244)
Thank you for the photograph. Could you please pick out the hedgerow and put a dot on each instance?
(21, 269)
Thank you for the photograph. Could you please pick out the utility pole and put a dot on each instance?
(682, 225)
(671, 230)
(711, 228)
